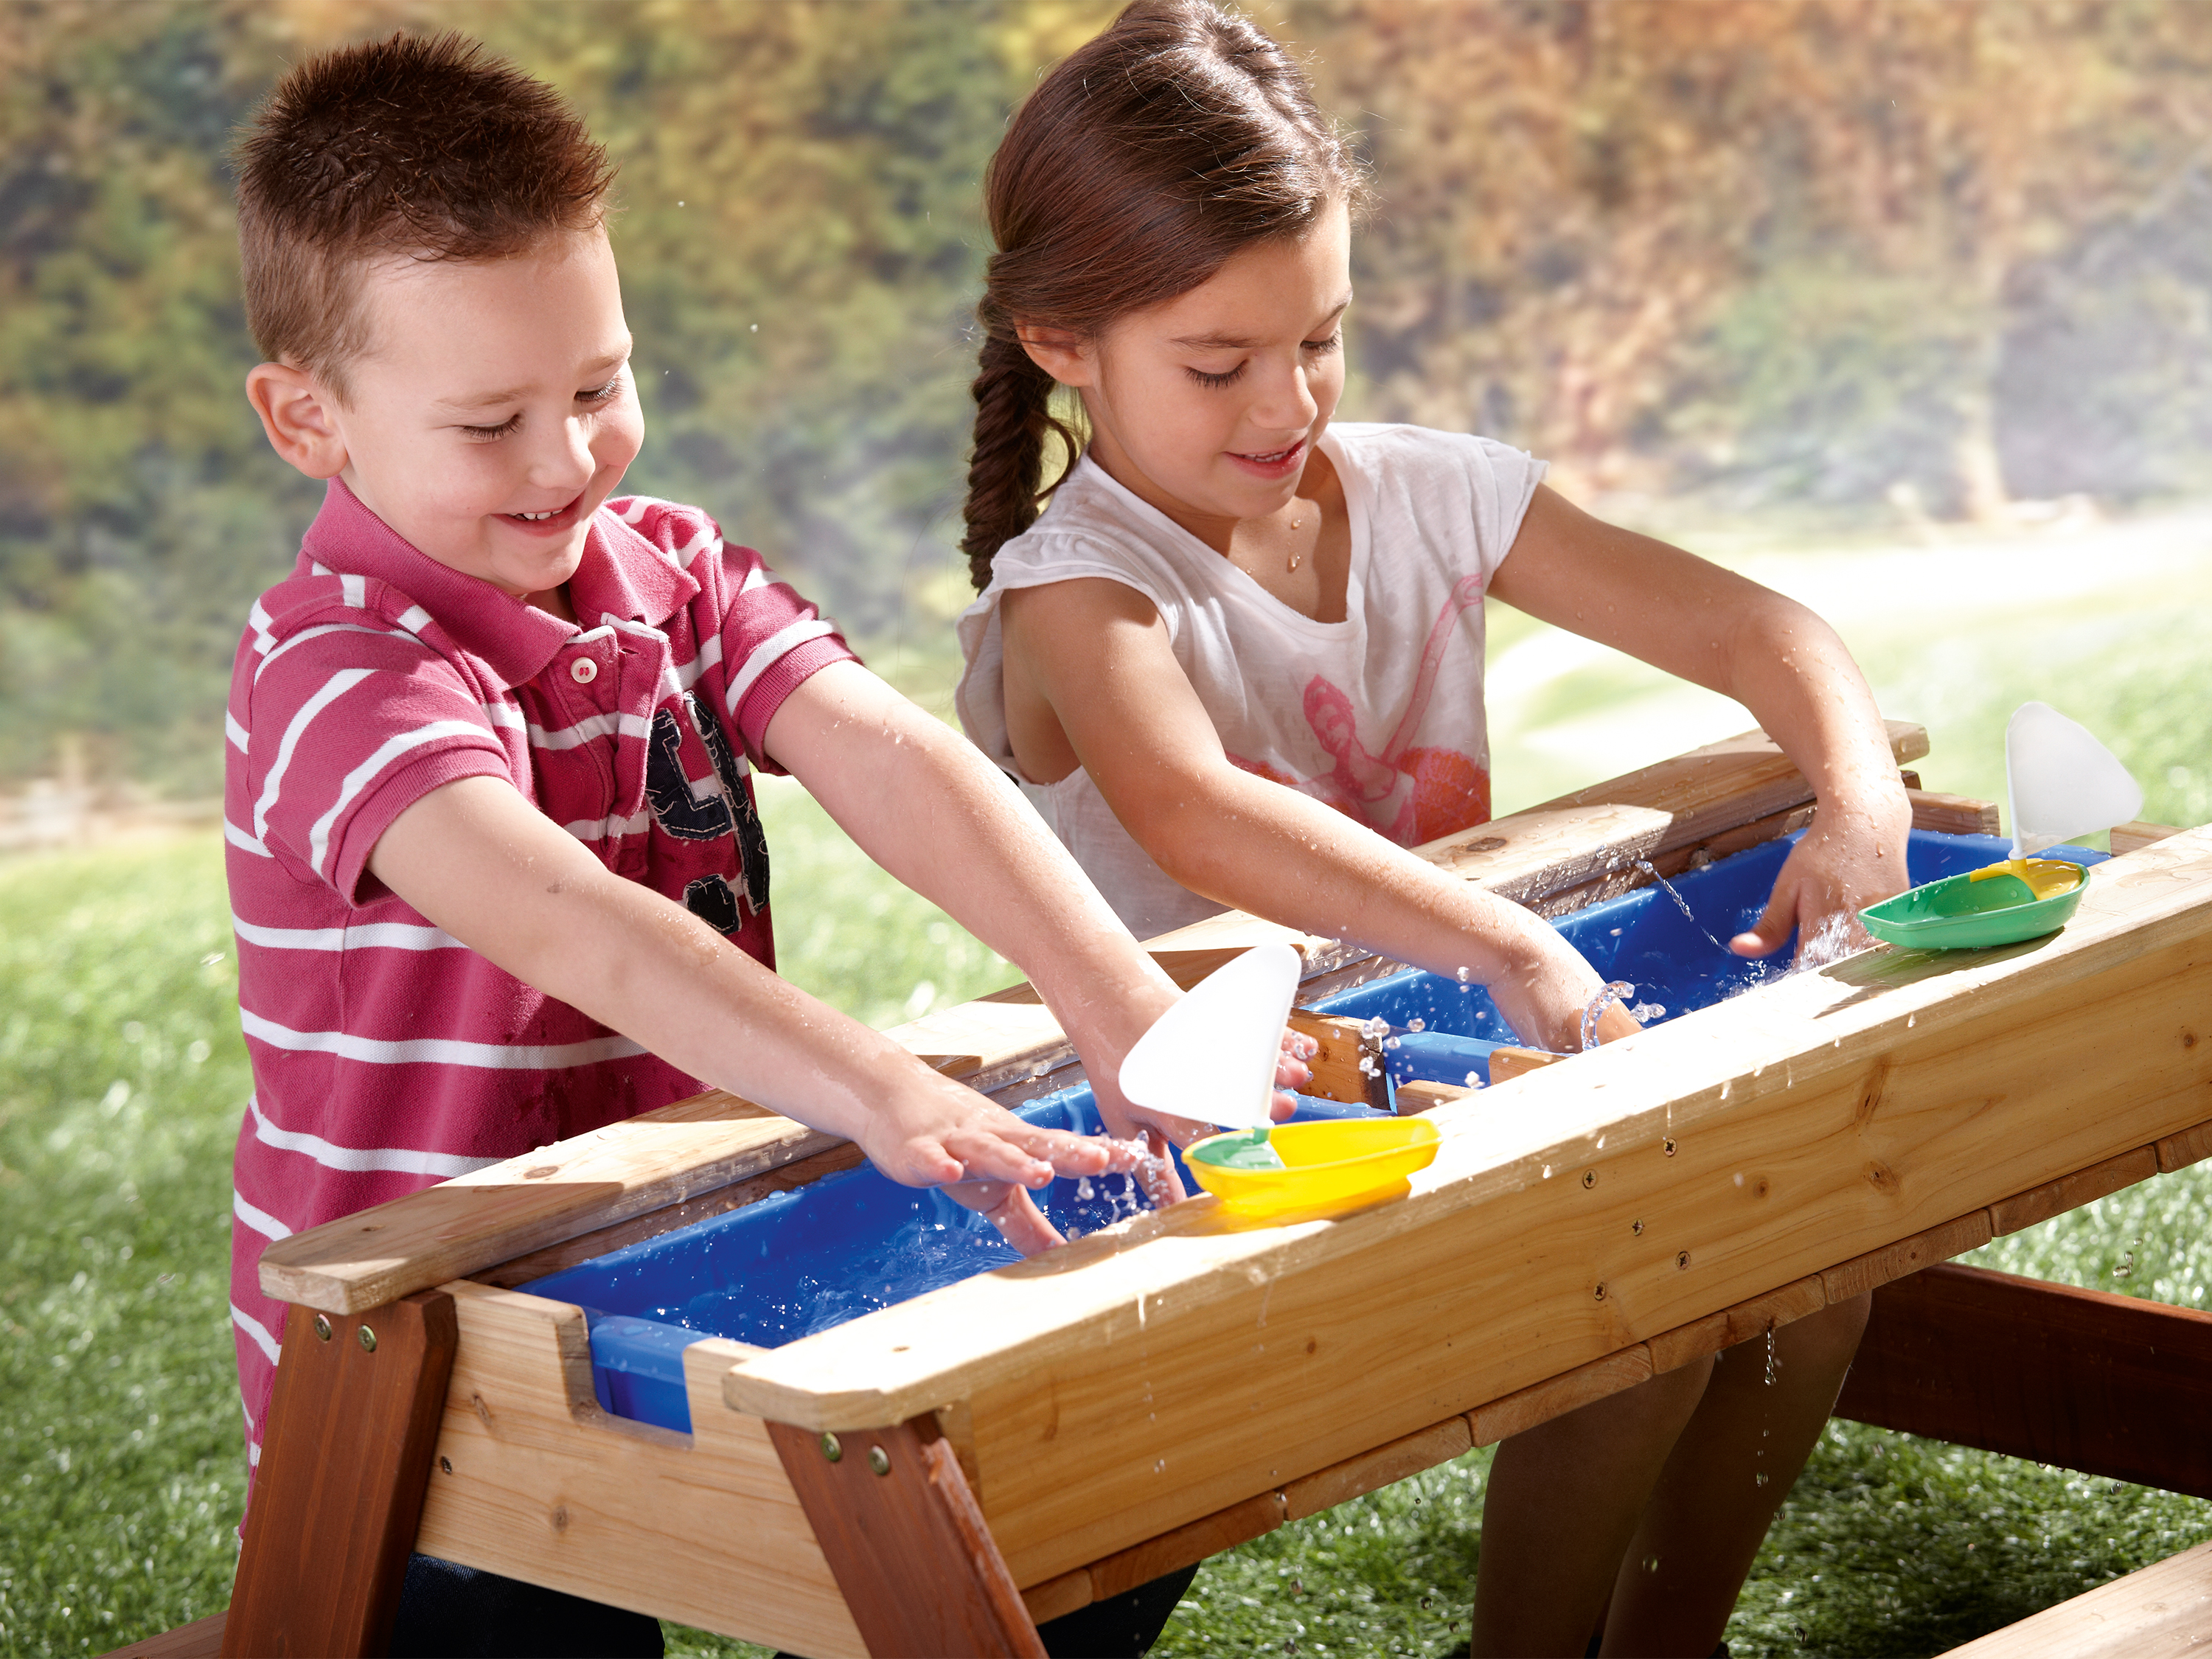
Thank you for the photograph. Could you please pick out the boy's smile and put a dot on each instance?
(490, 415)
(1209, 405)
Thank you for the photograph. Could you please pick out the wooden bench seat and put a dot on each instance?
(2162, 1609)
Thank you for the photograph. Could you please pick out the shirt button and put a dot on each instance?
(583, 670)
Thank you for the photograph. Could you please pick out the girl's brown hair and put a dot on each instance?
(1144, 161)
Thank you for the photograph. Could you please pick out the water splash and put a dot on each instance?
(1617, 991)
(1682, 904)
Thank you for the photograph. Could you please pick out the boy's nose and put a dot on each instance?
(566, 460)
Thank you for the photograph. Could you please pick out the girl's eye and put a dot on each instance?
(1228, 379)
(601, 394)
(486, 434)
(1319, 348)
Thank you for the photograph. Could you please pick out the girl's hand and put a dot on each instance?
(1158, 1130)
(1847, 860)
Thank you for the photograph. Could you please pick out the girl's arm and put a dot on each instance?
(1731, 635)
(1096, 652)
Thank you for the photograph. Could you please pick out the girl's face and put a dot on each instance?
(1209, 405)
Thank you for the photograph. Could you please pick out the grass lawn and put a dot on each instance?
(121, 1078)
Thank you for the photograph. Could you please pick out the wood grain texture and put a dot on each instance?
(1555, 1396)
(906, 1544)
(2161, 1609)
(1371, 1471)
(1336, 1068)
(344, 1456)
(2072, 1191)
(534, 1480)
(1953, 815)
(1057, 1598)
(2134, 837)
(2190, 1146)
(1811, 1122)
(576, 1186)
(1875, 1268)
(1185, 1546)
(201, 1640)
(1420, 1095)
(1752, 1317)
(1508, 1062)
(2114, 1386)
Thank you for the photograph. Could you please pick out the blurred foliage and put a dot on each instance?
(1755, 252)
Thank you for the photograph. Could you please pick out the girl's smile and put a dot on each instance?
(1209, 406)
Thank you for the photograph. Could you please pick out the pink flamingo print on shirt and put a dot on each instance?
(1434, 791)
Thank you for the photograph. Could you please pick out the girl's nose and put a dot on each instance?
(1287, 403)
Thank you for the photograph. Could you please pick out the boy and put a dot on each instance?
(493, 855)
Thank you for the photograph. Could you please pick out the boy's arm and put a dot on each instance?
(480, 861)
(1772, 655)
(922, 802)
(1098, 654)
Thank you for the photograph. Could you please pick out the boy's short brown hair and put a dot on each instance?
(413, 147)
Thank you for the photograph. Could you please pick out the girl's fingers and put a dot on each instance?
(1157, 1175)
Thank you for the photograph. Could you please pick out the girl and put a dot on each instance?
(1237, 662)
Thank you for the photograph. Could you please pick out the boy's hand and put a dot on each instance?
(942, 1134)
(1846, 861)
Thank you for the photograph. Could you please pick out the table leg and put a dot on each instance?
(907, 1542)
(345, 1460)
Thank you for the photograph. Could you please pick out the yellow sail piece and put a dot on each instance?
(2045, 878)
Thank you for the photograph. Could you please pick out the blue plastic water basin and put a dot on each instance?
(802, 1261)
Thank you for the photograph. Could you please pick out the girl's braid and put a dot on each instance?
(1013, 414)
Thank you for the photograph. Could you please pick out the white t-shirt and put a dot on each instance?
(1380, 715)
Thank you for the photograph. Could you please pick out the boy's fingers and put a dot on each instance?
(1156, 1175)
(1011, 1210)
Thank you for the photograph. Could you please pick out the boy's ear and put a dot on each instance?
(297, 412)
(1060, 354)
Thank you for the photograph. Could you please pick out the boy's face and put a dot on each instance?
(493, 411)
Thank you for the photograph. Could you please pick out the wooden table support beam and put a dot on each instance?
(907, 1542)
(2110, 1385)
(345, 1457)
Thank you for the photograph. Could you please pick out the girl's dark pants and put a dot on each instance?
(446, 1611)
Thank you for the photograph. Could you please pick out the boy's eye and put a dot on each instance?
(599, 394)
(1229, 378)
(1321, 346)
(485, 434)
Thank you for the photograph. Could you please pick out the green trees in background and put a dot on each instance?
(1777, 250)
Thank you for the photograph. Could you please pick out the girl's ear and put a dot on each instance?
(1064, 355)
(297, 411)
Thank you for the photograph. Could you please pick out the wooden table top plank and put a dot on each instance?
(1823, 1029)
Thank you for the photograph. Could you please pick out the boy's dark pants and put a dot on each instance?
(446, 1611)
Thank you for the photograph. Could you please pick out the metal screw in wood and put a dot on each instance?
(368, 1339)
(1670, 1144)
(322, 1328)
(1590, 1179)
(1682, 1260)
(832, 1450)
(879, 1461)
(1600, 1293)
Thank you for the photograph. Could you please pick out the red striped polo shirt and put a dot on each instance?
(387, 1056)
